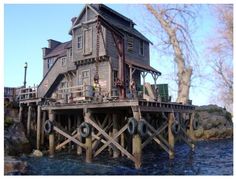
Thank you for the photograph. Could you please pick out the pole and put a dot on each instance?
(26, 66)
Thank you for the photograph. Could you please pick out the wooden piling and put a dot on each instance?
(122, 142)
(38, 125)
(29, 120)
(171, 138)
(69, 130)
(42, 129)
(79, 149)
(116, 152)
(191, 130)
(51, 135)
(136, 141)
(88, 140)
(20, 113)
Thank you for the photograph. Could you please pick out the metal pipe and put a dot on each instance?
(26, 65)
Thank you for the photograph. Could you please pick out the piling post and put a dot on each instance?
(42, 130)
(69, 130)
(29, 120)
(79, 149)
(51, 135)
(122, 142)
(88, 140)
(171, 138)
(116, 152)
(20, 112)
(191, 131)
(137, 141)
(38, 125)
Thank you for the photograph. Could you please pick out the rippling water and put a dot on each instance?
(209, 158)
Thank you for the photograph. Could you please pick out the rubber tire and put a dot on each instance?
(142, 128)
(84, 129)
(132, 126)
(195, 124)
(48, 127)
(175, 128)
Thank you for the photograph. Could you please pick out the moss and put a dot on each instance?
(8, 121)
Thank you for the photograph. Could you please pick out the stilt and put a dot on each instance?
(29, 120)
(38, 126)
(116, 152)
(79, 149)
(122, 142)
(110, 146)
(42, 130)
(137, 142)
(171, 138)
(69, 130)
(191, 131)
(51, 135)
(88, 141)
(20, 113)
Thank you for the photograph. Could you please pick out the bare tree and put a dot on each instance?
(220, 54)
(175, 22)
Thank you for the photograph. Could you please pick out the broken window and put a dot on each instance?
(141, 47)
(88, 43)
(130, 41)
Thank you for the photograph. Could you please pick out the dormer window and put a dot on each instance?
(63, 61)
(50, 63)
(130, 40)
(141, 47)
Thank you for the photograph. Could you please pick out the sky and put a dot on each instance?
(28, 27)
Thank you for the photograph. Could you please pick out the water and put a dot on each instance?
(209, 158)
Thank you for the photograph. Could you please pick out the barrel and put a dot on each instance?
(114, 92)
(88, 91)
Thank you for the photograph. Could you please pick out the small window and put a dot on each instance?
(130, 41)
(70, 52)
(141, 47)
(63, 61)
(50, 63)
(79, 44)
(115, 76)
(85, 74)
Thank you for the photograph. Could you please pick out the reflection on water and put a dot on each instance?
(209, 158)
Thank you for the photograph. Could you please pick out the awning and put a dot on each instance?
(142, 67)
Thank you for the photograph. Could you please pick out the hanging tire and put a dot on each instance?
(175, 128)
(84, 129)
(142, 128)
(48, 127)
(195, 124)
(132, 126)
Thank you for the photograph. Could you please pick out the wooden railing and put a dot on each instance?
(28, 93)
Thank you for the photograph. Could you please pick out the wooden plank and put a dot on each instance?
(71, 138)
(59, 146)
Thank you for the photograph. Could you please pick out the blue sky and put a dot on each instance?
(28, 27)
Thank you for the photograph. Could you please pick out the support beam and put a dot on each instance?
(69, 130)
(29, 120)
(42, 130)
(144, 74)
(137, 141)
(191, 130)
(20, 113)
(116, 152)
(79, 149)
(51, 136)
(122, 142)
(38, 125)
(88, 140)
(171, 138)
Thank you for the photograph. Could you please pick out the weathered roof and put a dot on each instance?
(143, 67)
(60, 50)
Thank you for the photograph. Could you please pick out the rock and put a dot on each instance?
(13, 166)
(199, 133)
(15, 141)
(37, 153)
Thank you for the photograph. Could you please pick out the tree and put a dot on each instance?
(175, 21)
(220, 51)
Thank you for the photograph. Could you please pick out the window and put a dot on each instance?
(63, 61)
(141, 47)
(115, 76)
(86, 77)
(79, 43)
(130, 41)
(88, 41)
(50, 63)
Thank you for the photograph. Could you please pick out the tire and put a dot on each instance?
(142, 128)
(175, 128)
(84, 129)
(48, 127)
(132, 126)
(195, 124)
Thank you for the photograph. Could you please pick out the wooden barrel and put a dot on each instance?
(88, 91)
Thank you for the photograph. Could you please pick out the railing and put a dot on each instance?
(28, 93)
(74, 93)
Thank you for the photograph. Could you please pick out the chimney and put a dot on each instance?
(73, 20)
(52, 43)
(45, 51)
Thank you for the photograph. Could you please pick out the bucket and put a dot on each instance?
(88, 91)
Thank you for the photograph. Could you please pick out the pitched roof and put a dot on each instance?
(60, 50)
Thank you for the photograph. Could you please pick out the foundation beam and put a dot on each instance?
(171, 138)
(42, 130)
(29, 120)
(116, 152)
(38, 125)
(79, 149)
(88, 140)
(191, 131)
(137, 141)
(51, 135)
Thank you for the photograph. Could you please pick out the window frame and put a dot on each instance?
(81, 41)
(50, 62)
